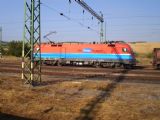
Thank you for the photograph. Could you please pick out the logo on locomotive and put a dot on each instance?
(87, 50)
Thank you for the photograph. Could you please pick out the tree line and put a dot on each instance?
(13, 48)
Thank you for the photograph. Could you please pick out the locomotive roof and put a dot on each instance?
(106, 42)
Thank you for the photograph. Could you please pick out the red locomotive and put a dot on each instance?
(113, 54)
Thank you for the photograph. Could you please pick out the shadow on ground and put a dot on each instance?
(89, 111)
(138, 67)
(4, 116)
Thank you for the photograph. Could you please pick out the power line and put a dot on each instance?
(0, 41)
(76, 19)
(134, 16)
(69, 18)
(134, 25)
(49, 20)
(60, 20)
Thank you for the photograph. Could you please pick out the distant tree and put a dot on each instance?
(2, 52)
(15, 48)
(149, 55)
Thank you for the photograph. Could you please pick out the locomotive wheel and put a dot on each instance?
(117, 65)
(104, 65)
(53, 63)
(59, 63)
(97, 65)
(113, 66)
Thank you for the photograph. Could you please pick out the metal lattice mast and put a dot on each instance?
(101, 30)
(0, 41)
(105, 32)
(31, 55)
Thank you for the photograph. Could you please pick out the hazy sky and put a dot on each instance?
(128, 20)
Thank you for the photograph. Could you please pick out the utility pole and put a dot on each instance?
(31, 57)
(101, 30)
(105, 32)
(0, 42)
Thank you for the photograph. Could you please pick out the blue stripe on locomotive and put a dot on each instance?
(86, 56)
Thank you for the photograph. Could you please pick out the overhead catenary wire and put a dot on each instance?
(61, 20)
(133, 16)
(69, 18)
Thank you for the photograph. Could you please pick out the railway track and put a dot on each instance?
(90, 73)
(137, 70)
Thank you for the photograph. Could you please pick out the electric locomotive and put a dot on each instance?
(108, 54)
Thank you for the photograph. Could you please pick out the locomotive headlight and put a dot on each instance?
(124, 49)
(38, 49)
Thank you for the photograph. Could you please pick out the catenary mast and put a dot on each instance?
(31, 65)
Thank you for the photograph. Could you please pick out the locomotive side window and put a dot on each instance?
(124, 49)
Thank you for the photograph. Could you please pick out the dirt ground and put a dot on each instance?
(77, 99)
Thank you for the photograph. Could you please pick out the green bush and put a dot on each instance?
(136, 54)
(2, 50)
(15, 48)
(143, 55)
(149, 55)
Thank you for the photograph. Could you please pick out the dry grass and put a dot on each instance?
(67, 100)
(144, 48)
(144, 51)
(11, 59)
(63, 100)
(132, 102)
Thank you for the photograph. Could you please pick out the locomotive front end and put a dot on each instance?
(127, 50)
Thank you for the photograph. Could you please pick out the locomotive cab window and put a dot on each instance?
(124, 49)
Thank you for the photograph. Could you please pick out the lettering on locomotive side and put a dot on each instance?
(87, 50)
(98, 51)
